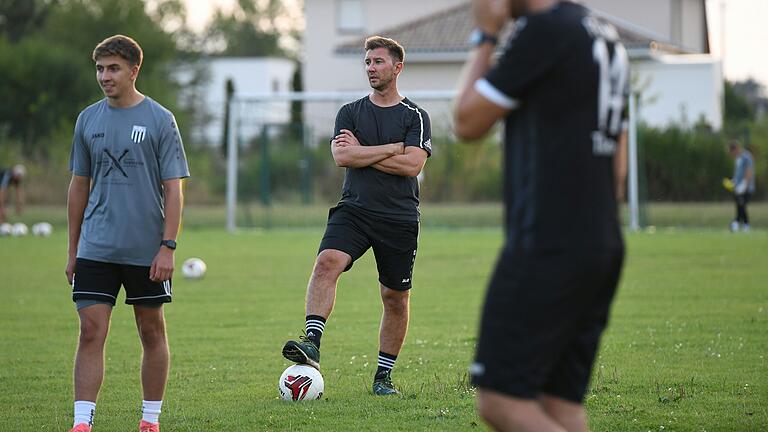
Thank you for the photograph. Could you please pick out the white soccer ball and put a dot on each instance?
(19, 229)
(193, 268)
(301, 382)
(42, 229)
(5, 229)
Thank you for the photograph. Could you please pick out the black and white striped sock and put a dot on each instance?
(315, 327)
(386, 363)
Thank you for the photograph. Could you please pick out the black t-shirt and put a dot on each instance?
(568, 77)
(378, 193)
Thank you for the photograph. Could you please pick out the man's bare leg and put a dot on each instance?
(505, 413)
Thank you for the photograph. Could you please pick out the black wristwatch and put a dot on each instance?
(479, 37)
(170, 244)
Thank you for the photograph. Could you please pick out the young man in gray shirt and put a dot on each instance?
(124, 208)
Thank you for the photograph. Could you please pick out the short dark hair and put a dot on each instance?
(395, 49)
(733, 145)
(119, 45)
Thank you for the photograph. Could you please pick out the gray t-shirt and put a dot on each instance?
(127, 153)
(742, 163)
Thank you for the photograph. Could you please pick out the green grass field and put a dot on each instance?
(686, 350)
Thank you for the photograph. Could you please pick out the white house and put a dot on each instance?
(680, 89)
(249, 75)
(660, 35)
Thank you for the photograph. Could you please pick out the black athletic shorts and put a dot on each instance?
(394, 243)
(101, 281)
(542, 321)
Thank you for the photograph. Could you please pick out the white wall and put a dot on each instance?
(680, 89)
(326, 71)
(678, 21)
(692, 32)
(249, 75)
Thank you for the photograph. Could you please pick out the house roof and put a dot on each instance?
(444, 35)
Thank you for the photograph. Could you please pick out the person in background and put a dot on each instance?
(12, 177)
(743, 184)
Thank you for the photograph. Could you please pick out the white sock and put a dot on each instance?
(84, 412)
(150, 410)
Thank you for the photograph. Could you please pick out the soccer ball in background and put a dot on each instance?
(193, 268)
(301, 382)
(19, 230)
(5, 229)
(42, 229)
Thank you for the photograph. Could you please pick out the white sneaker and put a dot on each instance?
(745, 228)
(734, 226)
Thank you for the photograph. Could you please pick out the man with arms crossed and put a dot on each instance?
(560, 86)
(124, 209)
(383, 140)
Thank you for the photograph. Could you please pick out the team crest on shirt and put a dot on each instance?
(138, 133)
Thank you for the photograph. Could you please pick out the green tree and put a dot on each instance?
(39, 90)
(48, 72)
(737, 108)
(249, 31)
(21, 17)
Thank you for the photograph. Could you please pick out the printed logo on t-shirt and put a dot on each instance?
(115, 162)
(138, 133)
(118, 163)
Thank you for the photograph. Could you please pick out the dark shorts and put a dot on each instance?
(101, 281)
(743, 199)
(542, 321)
(394, 243)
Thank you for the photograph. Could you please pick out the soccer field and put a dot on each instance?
(686, 350)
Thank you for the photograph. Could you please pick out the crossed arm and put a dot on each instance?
(393, 158)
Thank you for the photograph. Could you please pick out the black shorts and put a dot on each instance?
(542, 321)
(101, 281)
(394, 243)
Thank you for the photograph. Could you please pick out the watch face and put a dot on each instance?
(475, 37)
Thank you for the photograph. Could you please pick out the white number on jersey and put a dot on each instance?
(614, 74)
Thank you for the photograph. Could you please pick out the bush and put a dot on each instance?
(688, 165)
(683, 165)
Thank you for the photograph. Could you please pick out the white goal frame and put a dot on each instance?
(237, 101)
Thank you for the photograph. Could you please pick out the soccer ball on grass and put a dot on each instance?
(193, 268)
(301, 382)
(19, 230)
(42, 229)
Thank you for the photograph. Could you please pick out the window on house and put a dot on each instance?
(350, 16)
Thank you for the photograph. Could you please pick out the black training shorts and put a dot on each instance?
(394, 243)
(96, 280)
(542, 321)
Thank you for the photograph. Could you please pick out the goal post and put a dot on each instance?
(258, 119)
(252, 115)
